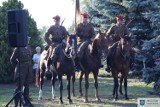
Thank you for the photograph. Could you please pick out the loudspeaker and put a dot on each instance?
(17, 30)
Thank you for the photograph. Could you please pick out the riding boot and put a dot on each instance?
(110, 56)
(100, 65)
(77, 69)
(49, 62)
(26, 97)
(74, 65)
(17, 98)
(108, 69)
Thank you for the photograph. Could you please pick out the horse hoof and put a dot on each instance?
(80, 94)
(116, 99)
(53, 97)
(39, 98)
(127, 98)
(98, 100)
(70, 102)
(60, 102)
(85, 100)
(120, 93)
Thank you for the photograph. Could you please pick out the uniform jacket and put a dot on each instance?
(22, 56)
(58, 33)
(117, 31)
(85, 31)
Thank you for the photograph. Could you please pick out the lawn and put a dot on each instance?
(136, 89)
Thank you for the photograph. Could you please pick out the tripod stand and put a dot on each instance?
(20, 95)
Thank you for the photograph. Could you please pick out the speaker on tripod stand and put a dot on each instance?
(17, 36)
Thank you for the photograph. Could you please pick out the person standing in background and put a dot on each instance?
(36, 58)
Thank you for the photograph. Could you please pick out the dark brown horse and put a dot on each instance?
(88, 62)
(121, 64)
(64, 65)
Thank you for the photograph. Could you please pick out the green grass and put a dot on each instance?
(136, 89)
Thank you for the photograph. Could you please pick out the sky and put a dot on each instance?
(43, 10)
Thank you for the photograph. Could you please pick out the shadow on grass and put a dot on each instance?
(136, 89)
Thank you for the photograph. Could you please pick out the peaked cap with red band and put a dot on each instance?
(85, 15)
(119, 17)
(57, 17)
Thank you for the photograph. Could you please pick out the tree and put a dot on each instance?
(6, 70)
(145, 26)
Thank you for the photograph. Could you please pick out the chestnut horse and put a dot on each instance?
(64, 65)
(121, 64)
(88, 62)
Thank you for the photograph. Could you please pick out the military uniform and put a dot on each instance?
(21, 59)
(86, 34)
(58, 33)
(115, 32)
(85, 31)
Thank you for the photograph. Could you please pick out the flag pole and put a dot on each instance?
(77, 13)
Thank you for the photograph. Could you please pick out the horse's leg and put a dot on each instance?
(68, 88)
(95, 74)
(41, 83)
(60, 88)
(86, 86)
(120, 88)
(73, 81)
(113, 94)
(116, 88)
(125, 87)
(80, 83)
(54, 75)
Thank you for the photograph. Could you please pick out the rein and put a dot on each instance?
(123, 54)
(68, 56)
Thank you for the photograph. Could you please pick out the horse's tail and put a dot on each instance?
(37, 76)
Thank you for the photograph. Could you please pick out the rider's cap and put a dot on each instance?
(57, 17)
(85, 15)
(119, 17)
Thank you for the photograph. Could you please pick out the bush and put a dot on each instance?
(151, 74)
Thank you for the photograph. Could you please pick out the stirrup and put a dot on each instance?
(108, 69)
(76, 69)
(101, 66)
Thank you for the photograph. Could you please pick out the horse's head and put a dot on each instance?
(102, 41)
(69, 47)
(72, 41)
(125, 44)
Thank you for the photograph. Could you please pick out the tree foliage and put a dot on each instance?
(144, 18)
(6, 70)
